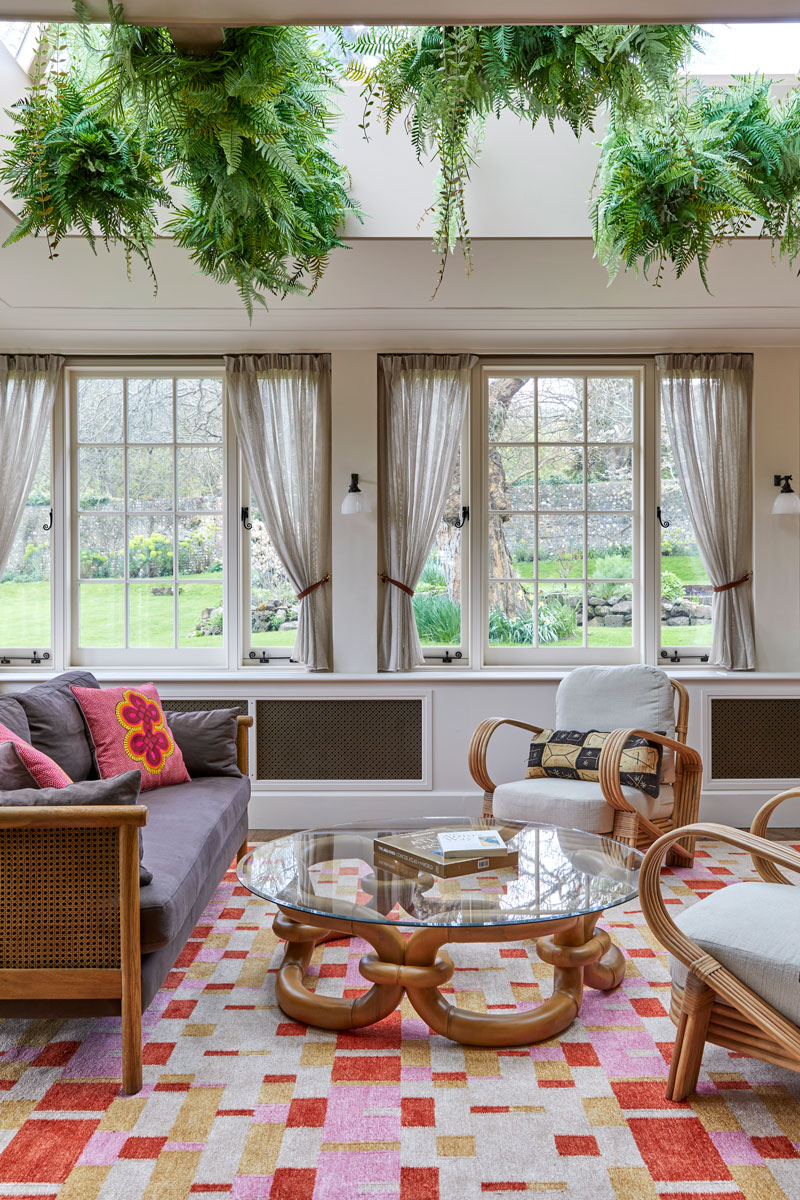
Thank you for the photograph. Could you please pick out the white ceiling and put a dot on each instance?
(409, 12)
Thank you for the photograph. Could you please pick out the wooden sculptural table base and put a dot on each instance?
(419, 967)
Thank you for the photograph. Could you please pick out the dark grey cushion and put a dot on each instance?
(12, 715)
(56, 723)
(207, 740)
(13, 772)
(122, 789)
(187, 825)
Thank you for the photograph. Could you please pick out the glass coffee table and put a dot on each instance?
(331, 883)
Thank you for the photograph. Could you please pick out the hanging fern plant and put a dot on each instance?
(446, 81)
(243, 131)
(74, 170)
(686, 176)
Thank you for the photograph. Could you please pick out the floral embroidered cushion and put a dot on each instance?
(129, 730)
(46, 772)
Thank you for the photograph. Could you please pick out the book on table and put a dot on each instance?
(422, 851)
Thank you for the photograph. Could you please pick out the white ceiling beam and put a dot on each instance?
(206, 13)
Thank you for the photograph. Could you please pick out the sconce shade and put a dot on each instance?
(787, 502)
(355, 501)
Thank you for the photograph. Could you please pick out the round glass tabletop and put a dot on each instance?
(395, 873)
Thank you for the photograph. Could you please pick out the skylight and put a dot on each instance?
(19, 38)
(770, 49)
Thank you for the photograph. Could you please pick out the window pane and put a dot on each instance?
(560, 547)
(100, 410)
(437, 600)
(101, 482)
(150, 550)
(273, 603)
(560, 477)
(200, 614)
(25, 583)
(560, 410)
(511, 614)
(610, 553)
(686, 591)
(512, 477)
(151, 614)
(200, 478)
(610, 477)
(560, 614)
(101, 614)
(150, 410)
(150, 478)
(101, 543)
(512, 410)
(199, 410)
(609, 416)
(200, 547)
(512, 546)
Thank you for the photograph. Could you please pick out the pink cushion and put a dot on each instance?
(129, 730)
(46, 772)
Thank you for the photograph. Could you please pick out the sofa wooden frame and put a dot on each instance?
(629, 825)
(713, 1005)
(69, 911)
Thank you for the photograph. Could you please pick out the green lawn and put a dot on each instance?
(688, 568)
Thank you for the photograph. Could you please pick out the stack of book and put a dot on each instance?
(445, 852)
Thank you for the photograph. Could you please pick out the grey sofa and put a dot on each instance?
(78, 936)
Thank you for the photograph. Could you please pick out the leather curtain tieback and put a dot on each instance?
(726, 587)
(396, 582)
(312, 587)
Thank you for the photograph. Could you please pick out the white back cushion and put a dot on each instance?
(606, 698)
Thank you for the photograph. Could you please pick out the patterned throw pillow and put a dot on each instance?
(569, 754)
(129, 730)
(46, 772)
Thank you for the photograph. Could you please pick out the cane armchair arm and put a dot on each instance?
(611, 754)
(767, 869)
(480, 744)
(698, 961)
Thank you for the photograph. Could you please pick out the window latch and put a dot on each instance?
(447, 659)
(49, 524)
(464, 517)
(663, 524)
(248, 524)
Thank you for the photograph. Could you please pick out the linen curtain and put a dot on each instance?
(707, 401)
(420, 417)
(28, 387)
(282, 412)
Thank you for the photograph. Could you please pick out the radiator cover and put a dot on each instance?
(755, 737)
(338, 739)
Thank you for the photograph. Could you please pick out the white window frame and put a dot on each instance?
(190, 658)
(642, 544)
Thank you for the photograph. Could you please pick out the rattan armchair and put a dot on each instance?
(625, 822)
(70, 917)
(712, 1004)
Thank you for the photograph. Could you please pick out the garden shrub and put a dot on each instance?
(438, 619)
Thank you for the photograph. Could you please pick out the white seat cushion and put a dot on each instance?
(752, 929)
(572, 803)
(606, 698)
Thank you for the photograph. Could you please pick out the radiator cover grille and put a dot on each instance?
(755, 738)
(339, 739)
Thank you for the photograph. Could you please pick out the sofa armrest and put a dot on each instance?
(243, 724)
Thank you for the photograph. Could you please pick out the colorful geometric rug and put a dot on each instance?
(240, 1103)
